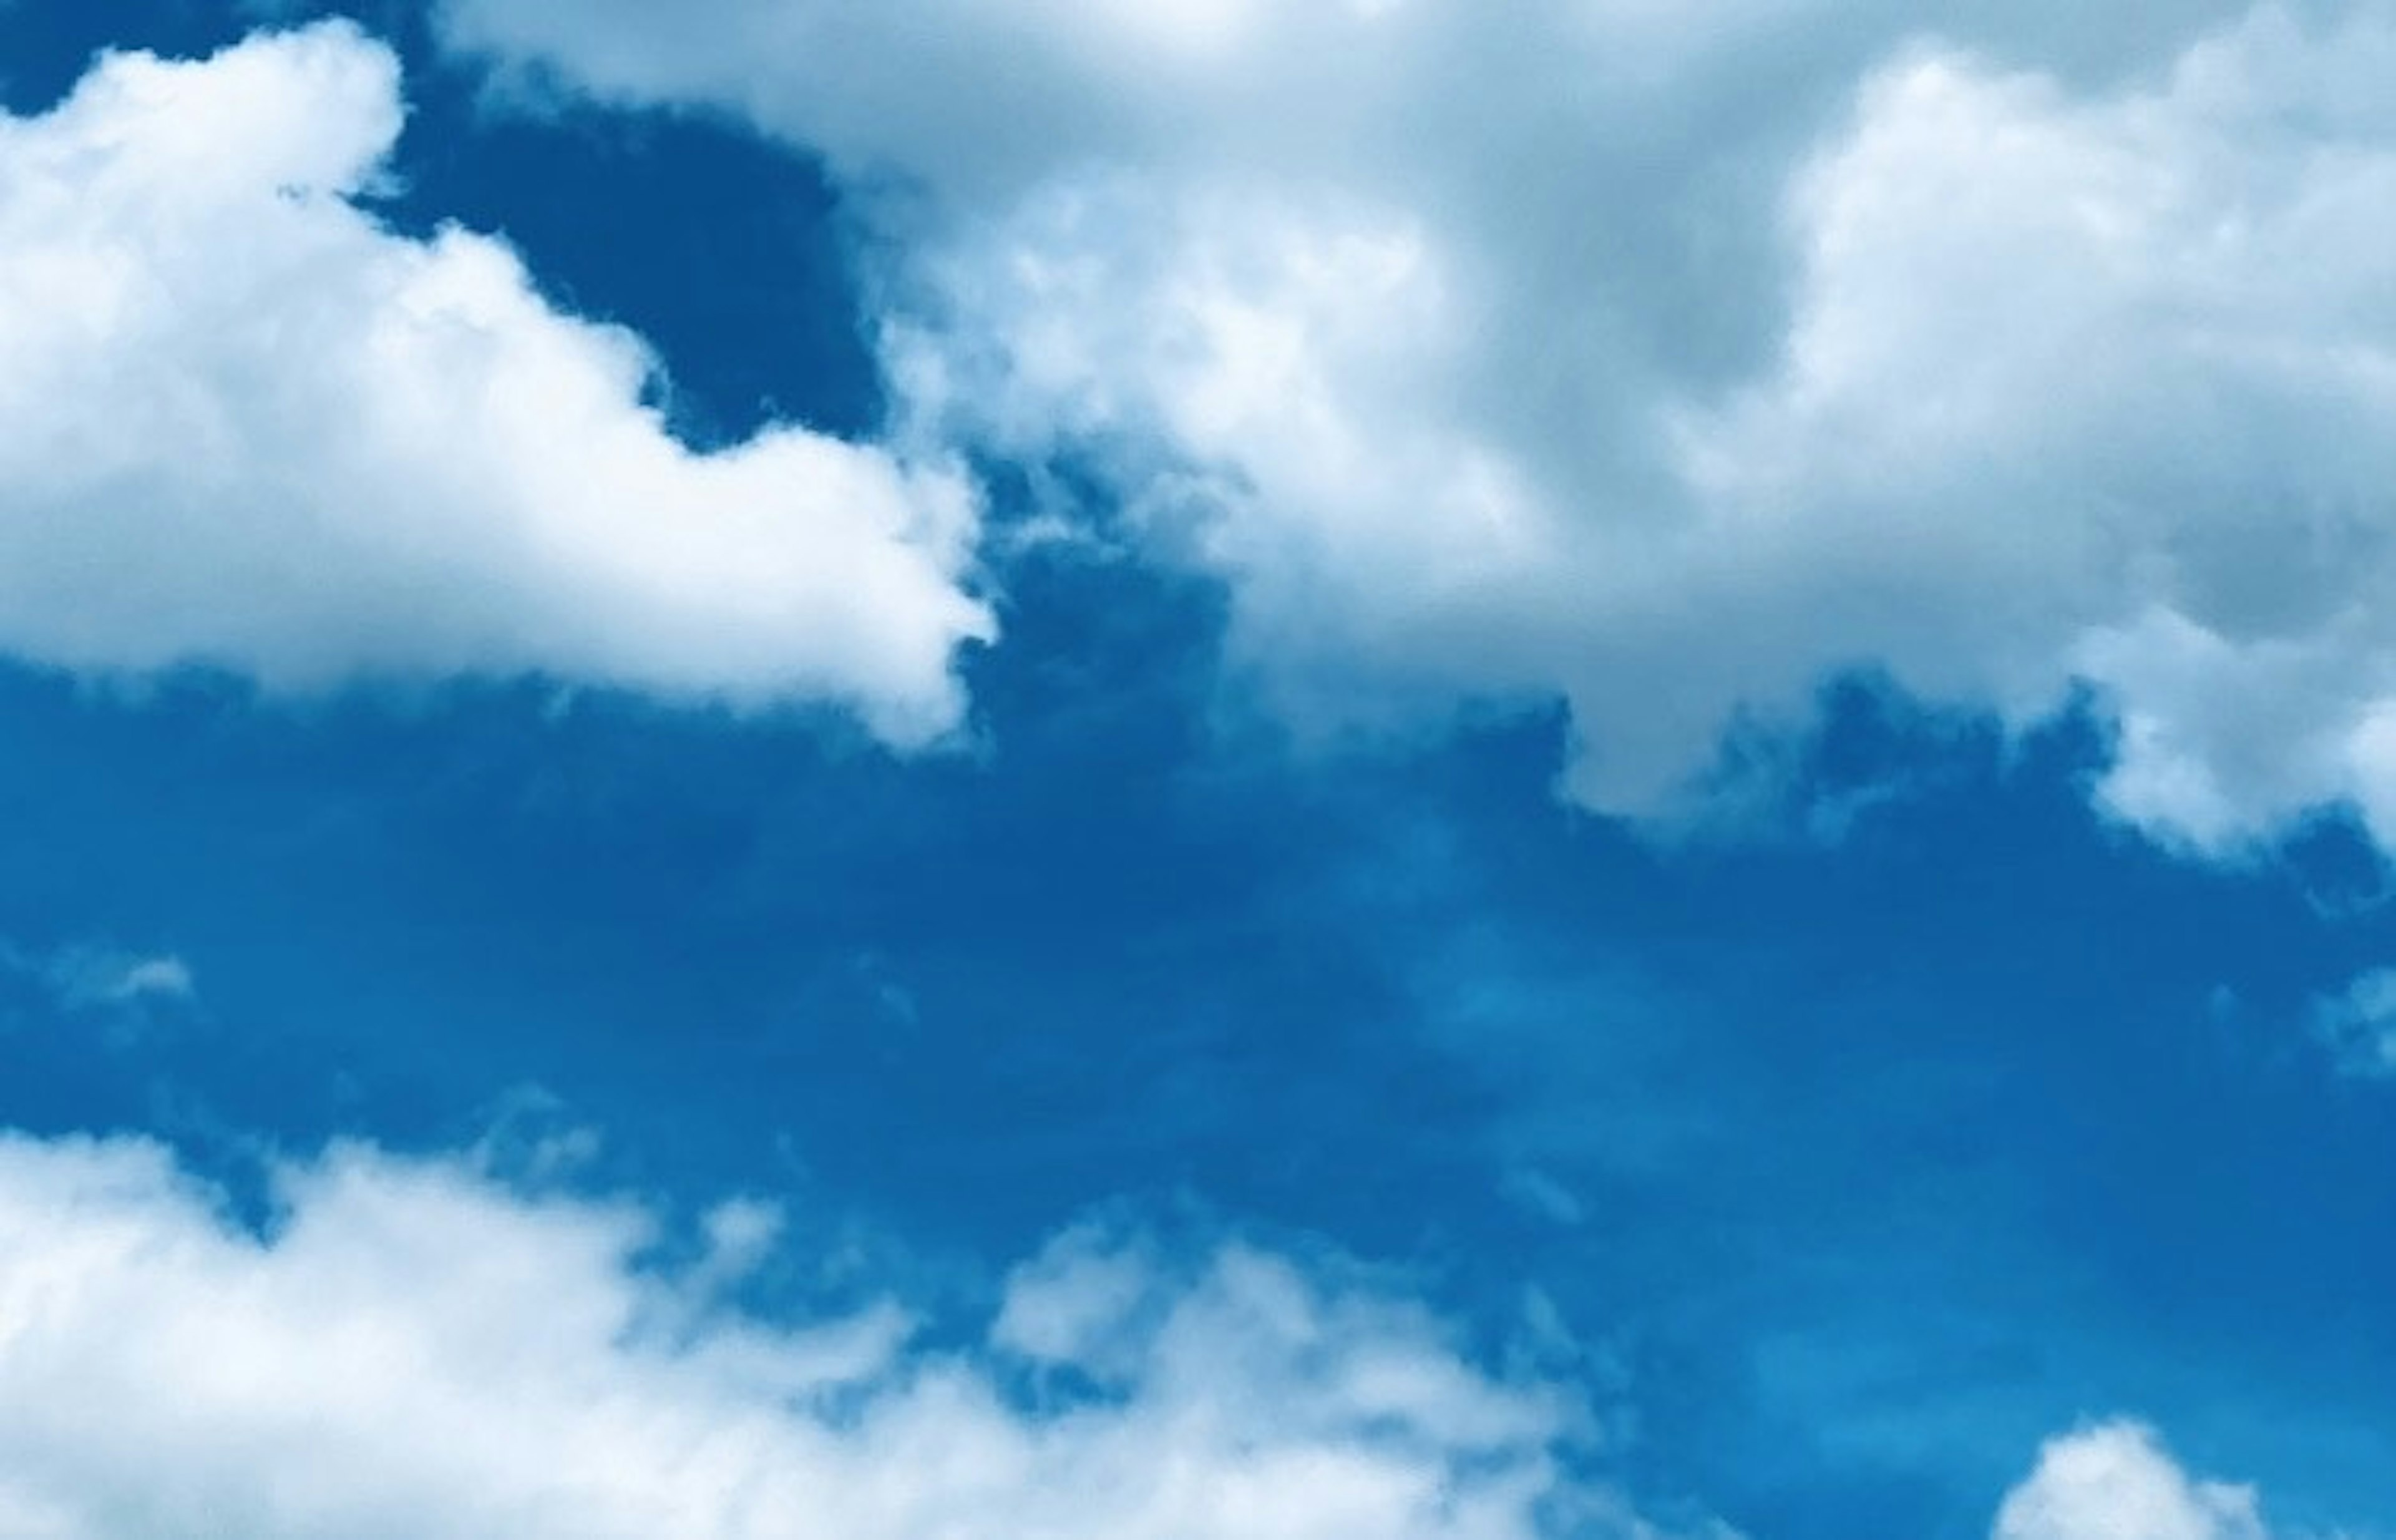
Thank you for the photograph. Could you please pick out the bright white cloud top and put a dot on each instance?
(1665, 359)
(416, 1350)
(243, 423)
(2115, 1482)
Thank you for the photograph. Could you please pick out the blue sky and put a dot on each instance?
(1019, 768)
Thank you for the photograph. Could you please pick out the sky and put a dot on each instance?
(1543, 770)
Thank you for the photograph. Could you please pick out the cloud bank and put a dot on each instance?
(244, 424)
(414, 1349)
(1669, 361)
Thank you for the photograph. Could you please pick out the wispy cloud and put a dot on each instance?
(127, 992)
(2357, 1025)
(85, 977)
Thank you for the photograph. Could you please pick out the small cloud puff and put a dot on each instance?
(2114, 1481)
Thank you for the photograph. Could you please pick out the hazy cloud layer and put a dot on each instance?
(243, 423)
(1664, 359)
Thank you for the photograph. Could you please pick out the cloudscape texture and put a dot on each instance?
(1603, 347)
(1392, 769)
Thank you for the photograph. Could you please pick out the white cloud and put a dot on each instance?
(414, 1349)
(2098, 387)
(2115, 1482)
(1666, 359)
(243, 423)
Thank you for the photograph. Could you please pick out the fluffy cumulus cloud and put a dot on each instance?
(1668, 359)
(243, 423)
(2122, 368)
(2115, 1482)
(411, 1348)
